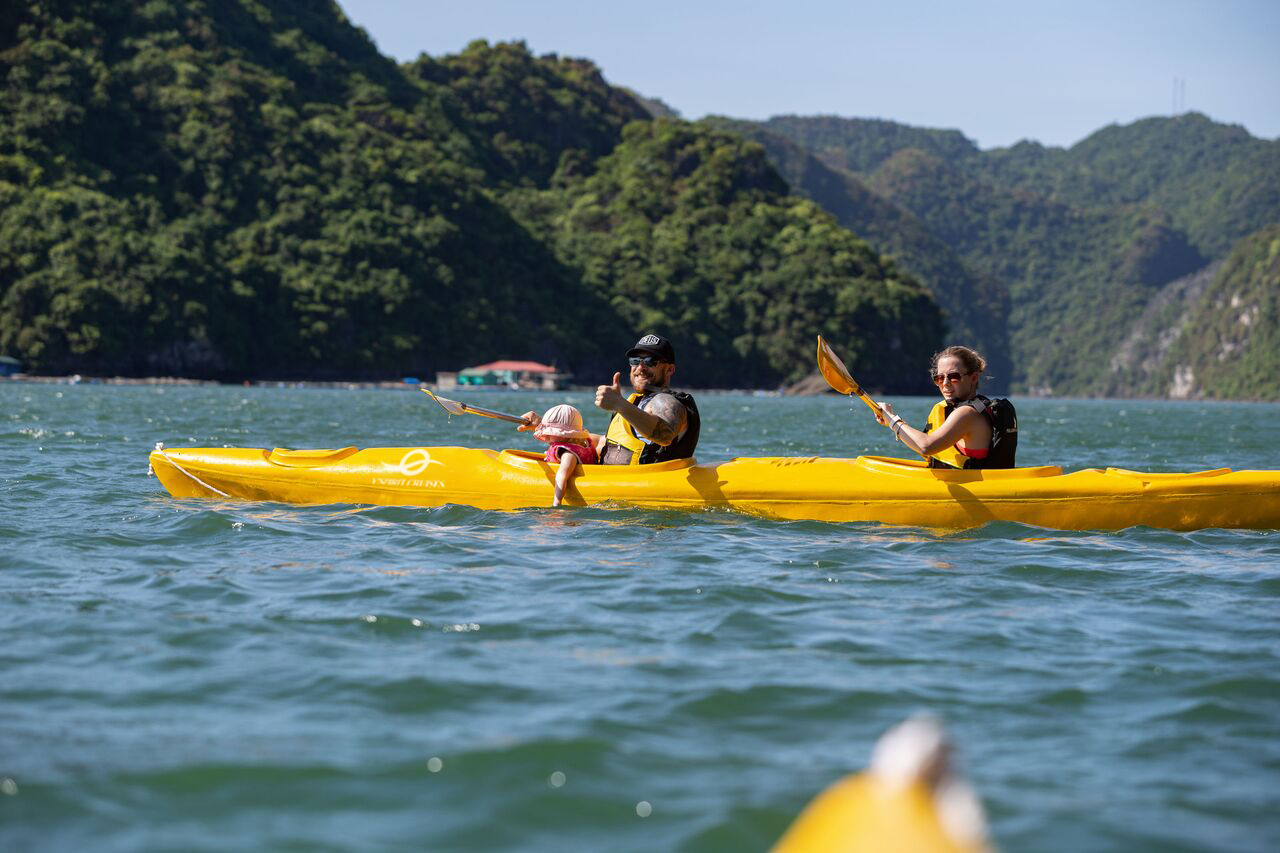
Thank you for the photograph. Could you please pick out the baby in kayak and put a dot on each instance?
(570, 442)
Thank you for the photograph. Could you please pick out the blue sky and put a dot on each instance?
(998, 71)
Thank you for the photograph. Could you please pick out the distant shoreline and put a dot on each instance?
(351, 385)
(403, 385)
(78, 379)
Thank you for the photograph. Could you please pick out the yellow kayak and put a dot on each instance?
(866, 488)
(909, 800)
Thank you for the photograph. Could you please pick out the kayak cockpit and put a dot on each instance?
(286, 458)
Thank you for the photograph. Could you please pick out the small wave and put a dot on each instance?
(1064, 698)
(1207, 711)
(421, 695)
(763, 705)
(1259, 687)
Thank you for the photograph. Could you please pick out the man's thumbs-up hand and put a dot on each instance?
(609, 397)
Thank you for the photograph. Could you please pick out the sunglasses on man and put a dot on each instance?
(646, 360)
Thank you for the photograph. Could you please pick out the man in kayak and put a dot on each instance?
(966, 429)
(653, 424)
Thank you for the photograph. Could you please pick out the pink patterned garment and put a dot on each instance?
(586, 453)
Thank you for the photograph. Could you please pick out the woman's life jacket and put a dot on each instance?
(1003, 419)
(643, 451)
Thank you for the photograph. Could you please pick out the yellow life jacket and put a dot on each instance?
(950, 456)
(1002, 418)
(623, 434)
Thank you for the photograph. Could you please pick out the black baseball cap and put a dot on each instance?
(654, 345)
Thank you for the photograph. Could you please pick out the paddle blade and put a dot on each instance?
(453, 407)
(834, 371)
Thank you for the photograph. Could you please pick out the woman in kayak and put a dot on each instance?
(966, 429)
(570, 444)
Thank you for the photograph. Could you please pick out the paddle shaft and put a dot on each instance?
(875, 407)
(490, 413)
(872, 404)
(839, 378)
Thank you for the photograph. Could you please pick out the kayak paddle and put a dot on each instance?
(837, 376)
(453, 407)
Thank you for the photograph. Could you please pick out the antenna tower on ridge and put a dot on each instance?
(1179, 95)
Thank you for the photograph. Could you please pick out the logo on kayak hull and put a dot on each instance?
(412, 464)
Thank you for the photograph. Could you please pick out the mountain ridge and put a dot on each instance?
(1083, 238)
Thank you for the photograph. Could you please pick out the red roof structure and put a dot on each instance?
(514, 366)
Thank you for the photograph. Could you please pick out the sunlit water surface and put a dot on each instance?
(186, 675)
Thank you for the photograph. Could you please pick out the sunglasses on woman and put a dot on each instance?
(939, 378)
(646, 360)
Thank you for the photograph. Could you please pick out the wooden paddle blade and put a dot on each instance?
(834, 371)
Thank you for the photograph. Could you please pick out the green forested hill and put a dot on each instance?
(241, 188)
(861, 145)
(693, 230)
(1215, 334)
(1077, 277)
(1230, 347)
(249, 188)
(976, 305)
(1086, 240)
(525, 113)
(1217, 183)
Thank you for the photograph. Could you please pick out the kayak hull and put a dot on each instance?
(866, 488)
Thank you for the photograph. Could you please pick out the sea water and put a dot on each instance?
(209, 675)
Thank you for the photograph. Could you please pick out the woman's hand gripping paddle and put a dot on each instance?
(453, 407)
(837, 376)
